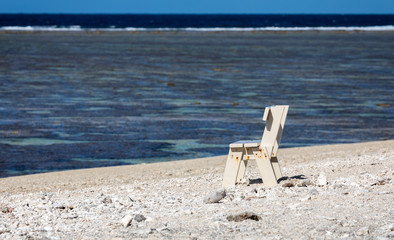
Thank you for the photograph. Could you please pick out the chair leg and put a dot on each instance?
(266, 169)
(233, 166)
(242, 170)
(275, 165)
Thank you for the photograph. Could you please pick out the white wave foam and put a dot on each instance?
(214, 29)
(370, 28)
(41, 28)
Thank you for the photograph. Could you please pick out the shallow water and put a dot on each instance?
(73, 100)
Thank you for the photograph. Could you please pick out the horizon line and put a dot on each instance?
(82, 13)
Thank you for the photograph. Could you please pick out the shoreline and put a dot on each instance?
(83, 178)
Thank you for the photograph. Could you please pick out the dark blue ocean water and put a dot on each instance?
(80, 91)
(179, 21)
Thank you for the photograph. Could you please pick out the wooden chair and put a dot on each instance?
(264, 151)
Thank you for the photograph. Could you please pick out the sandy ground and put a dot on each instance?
(331, 192)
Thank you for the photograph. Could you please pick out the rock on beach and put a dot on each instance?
(322, 179)
(215, 197)
(126, 220)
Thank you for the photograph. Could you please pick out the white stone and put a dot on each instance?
(322, 179)
(48, 228)
(145, 231)
(126, 220)
(363, 231)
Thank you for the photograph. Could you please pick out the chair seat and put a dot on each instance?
(245, 143)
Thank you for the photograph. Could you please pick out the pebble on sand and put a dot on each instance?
(126, 220)
(215, 197)
(243, 216)
(139, 218)
(322, 179)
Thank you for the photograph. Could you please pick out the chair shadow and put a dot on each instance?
(255, 181)
(299, 177)
(259, 180)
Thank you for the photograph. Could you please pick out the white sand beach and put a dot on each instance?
(341, 191)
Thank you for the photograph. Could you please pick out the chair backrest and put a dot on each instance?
(275, 117)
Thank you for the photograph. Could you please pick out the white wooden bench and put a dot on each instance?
(263, 151)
